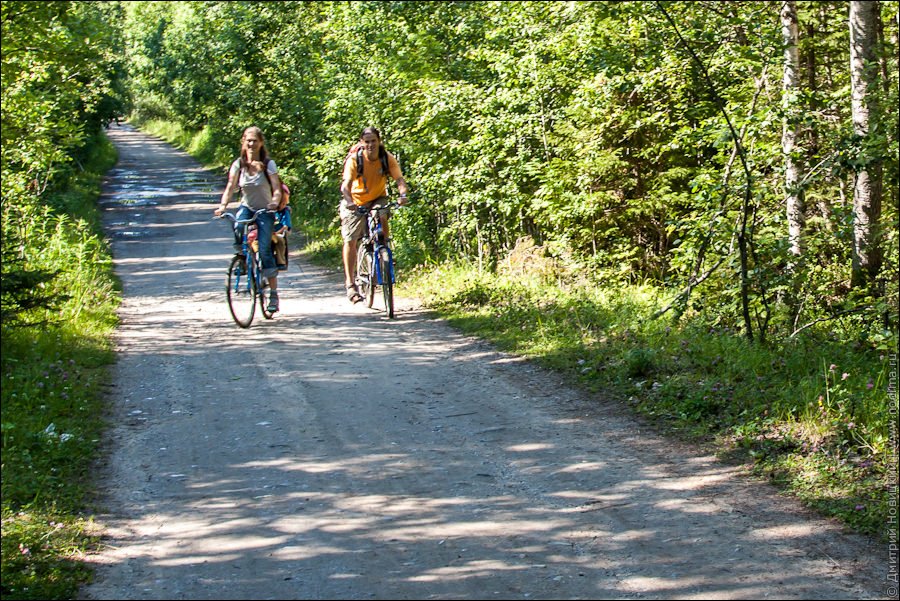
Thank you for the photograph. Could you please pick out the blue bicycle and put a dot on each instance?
(375, 260)
(245, 282)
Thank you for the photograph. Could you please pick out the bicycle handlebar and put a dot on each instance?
(367, 210)
(233, 217)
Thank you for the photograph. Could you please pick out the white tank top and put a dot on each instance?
(256, 190)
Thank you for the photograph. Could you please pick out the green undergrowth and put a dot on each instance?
(810, 413)
(55, 358)
(51, 433)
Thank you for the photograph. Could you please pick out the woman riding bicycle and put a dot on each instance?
(257, 177)
(366, 187)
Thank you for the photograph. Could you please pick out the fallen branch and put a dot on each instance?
(835, 316)
(687, 290)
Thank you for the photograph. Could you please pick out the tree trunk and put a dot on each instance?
(812, 147)
(790, 95)
(868, 187)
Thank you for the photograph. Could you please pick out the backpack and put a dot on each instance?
(359, 149)
(285, 196)
(285, 191)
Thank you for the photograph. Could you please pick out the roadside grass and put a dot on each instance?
(321, 242)
(810, 415)
(52, 374)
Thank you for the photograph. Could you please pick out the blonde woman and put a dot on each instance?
(256, 175)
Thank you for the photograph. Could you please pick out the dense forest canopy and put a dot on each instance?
(715, 149)
(63, 77)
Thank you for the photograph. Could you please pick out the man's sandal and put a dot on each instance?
(353, 295)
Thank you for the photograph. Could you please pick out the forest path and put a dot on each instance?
(331, 453)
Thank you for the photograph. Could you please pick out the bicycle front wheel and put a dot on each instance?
(242, 292)
(387, 280)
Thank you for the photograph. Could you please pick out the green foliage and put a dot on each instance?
(51, 378)
(61, 80)
(52, 403)
(51, 427)
(40, 555)
(581, 125)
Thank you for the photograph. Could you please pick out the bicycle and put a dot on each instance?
(245, 282)
(375, 260)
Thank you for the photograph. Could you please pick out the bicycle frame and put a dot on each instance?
(378, 257)
(373, 225)
(245, 276)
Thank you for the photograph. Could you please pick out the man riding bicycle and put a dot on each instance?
(365, 187)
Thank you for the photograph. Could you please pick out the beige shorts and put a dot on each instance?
(353, 225)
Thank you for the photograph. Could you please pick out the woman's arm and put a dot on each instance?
(276, 190)
(227, 194)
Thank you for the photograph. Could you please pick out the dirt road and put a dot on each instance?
(334, 454)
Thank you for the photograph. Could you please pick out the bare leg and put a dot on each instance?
(350, 263)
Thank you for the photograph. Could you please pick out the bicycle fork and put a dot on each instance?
(244, 275)
(379, 276)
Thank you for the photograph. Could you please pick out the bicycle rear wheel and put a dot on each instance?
(241, 289)
(365, 274)
(387, 283)
(263, 288)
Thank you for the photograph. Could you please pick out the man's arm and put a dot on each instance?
(349, 174)
(401, 186)
(345, 193)
(394, 168)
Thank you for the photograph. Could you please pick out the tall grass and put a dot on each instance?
(53, 371)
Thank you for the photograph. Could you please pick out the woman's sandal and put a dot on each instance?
(353, 294)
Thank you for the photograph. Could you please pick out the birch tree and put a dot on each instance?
(867, 190)
(791, 84)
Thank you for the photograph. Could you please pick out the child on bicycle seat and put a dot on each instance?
(279, 237)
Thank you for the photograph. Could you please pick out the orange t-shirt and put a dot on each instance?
(376, 181)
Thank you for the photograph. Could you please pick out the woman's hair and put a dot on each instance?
(370, 130)
(263, 153)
